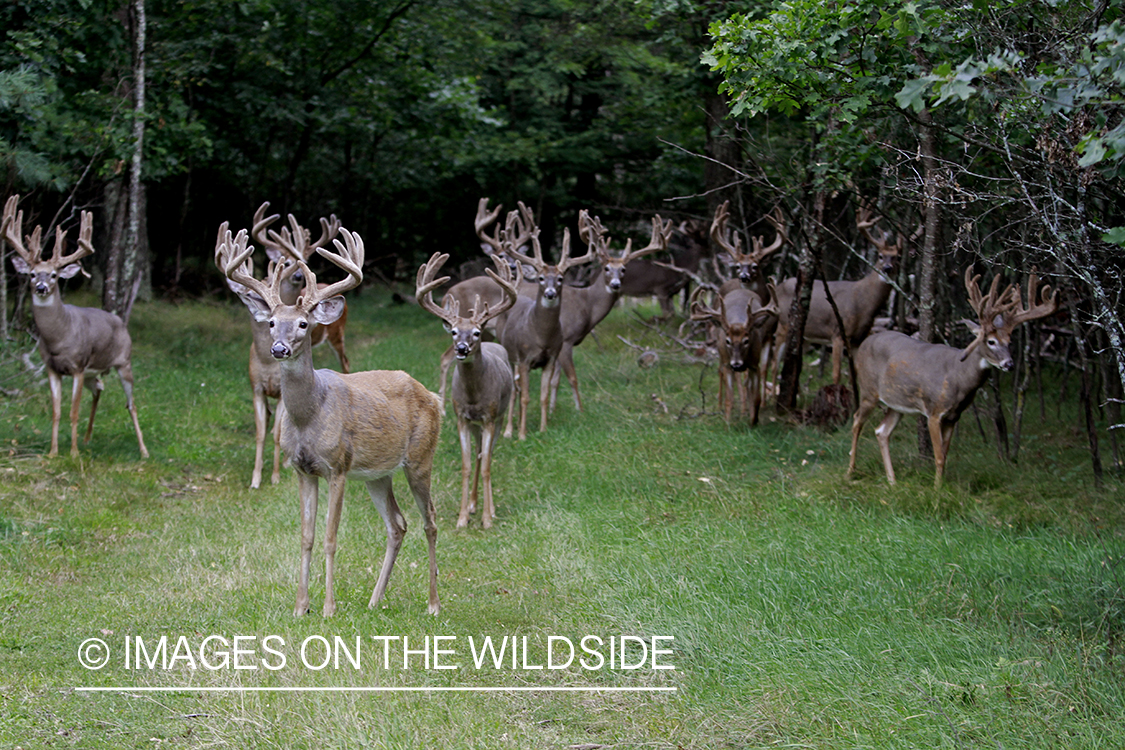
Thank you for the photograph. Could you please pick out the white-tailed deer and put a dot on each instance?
(532, 333)
(292, 244)
(746, 268)
(645, 277)
(337, 426)
(585, 307)
(74, 341)
(745, 326)
(482, 381)
(466, 292)
(858, 301)
(909, 376)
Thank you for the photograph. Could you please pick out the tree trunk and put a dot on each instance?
(928, 266)
(806, 272)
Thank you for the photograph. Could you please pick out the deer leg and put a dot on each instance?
(419, 481)
(261, 422)
(96, 387)
(566, 361)
(475, 432)
(336, 486)
(382, 494)
(941, 446)
(465, 434)
(487, 441)
(883, 436)
(837, 357)
(525, 397)
(726, 400)
(75, 404)
(861, 414)
(308, 489)
(549, 373)
(54, 381)
(125, 373)
(275, 477)
(754, 393)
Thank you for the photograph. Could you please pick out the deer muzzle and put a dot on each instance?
(280, 351)
(461, 350)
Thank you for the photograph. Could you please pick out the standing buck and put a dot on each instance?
(909, 376)
(532, 332)
(745, 325)
(292, 244)
(75, 341)
(745, 267)
(339, 426)
(482, 381)
(645, 277)
(858, 301)
(585, 307)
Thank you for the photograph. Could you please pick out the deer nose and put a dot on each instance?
(462, 350)
(550, 292)
(614, 284)
(744, 277)
(280, 350)
(40, 288)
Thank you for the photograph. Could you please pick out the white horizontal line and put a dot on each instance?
(521, 689)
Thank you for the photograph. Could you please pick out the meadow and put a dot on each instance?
(797, 608)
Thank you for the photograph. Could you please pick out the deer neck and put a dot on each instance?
(302, 390)
(52, 318)
(473, 371)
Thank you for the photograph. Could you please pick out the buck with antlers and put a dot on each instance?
(745, 324)
(338, 426)
(74, 341)
(585, 307)
(292, 244)
(466, 292)
(909, 376)
(746, 268)
(647, 277)
(482, 381)
(858, 301)
(532, 333)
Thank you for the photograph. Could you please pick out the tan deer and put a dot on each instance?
(746, 268)
(858, 301)
(585, 307)
(532, 332)
(909, 376)
(337, 426)
(647, 277)
(482, 381)
(465, 292)
(744, 326)
(74, 341)
(292, 244)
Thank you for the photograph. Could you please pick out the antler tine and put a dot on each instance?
(720, 235)
(232, 256)
(698, 310)
(485, 217)
(85, 246)
(661, 234)
(971, 286)
(518, 230)
(12, 225)
(1034, 309)
(565, 261)
(261, 234)
(298, 238)
(508, 285)
(777, 221)
(328, 229)
(349, 257)
(865, 221)
(426, 283)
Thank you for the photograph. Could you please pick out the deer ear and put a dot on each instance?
(328, 310)
(725, 258)
(257, 306)
(274, 255)
(20, 264)
(69, 271)
(972, 325)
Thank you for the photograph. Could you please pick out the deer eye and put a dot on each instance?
(271, 323)
(476, 333)
(542, 278)
(303, 324)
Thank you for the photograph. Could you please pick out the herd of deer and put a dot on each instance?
(366, 425)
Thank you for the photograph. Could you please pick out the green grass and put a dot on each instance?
(807, 609)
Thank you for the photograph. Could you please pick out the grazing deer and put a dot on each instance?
(746, 268)
(585, 307)
(909, 376)
(465, 292)
(532, 333)
(745, 325)
(858, 301)
(75, 341)
(645, 277)
(482, 381)
(338, 426)
(292, 244)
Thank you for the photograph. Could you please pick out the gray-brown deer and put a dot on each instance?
(465, 292)
(292, 244)
(909, 376)
(482, 381)
(858, 301)
(585, 307)
(338, 426)
(744, 326)
(73, 341)
(532, 333)
(746, 268)
(647, 277)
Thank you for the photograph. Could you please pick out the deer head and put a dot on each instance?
(998, 315)
(519, 229)
(596, 238)
(290, 245)
(888, 251)
(746, 266)
(28, 260)
(466, 331)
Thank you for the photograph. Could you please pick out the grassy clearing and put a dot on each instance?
(806, 609)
